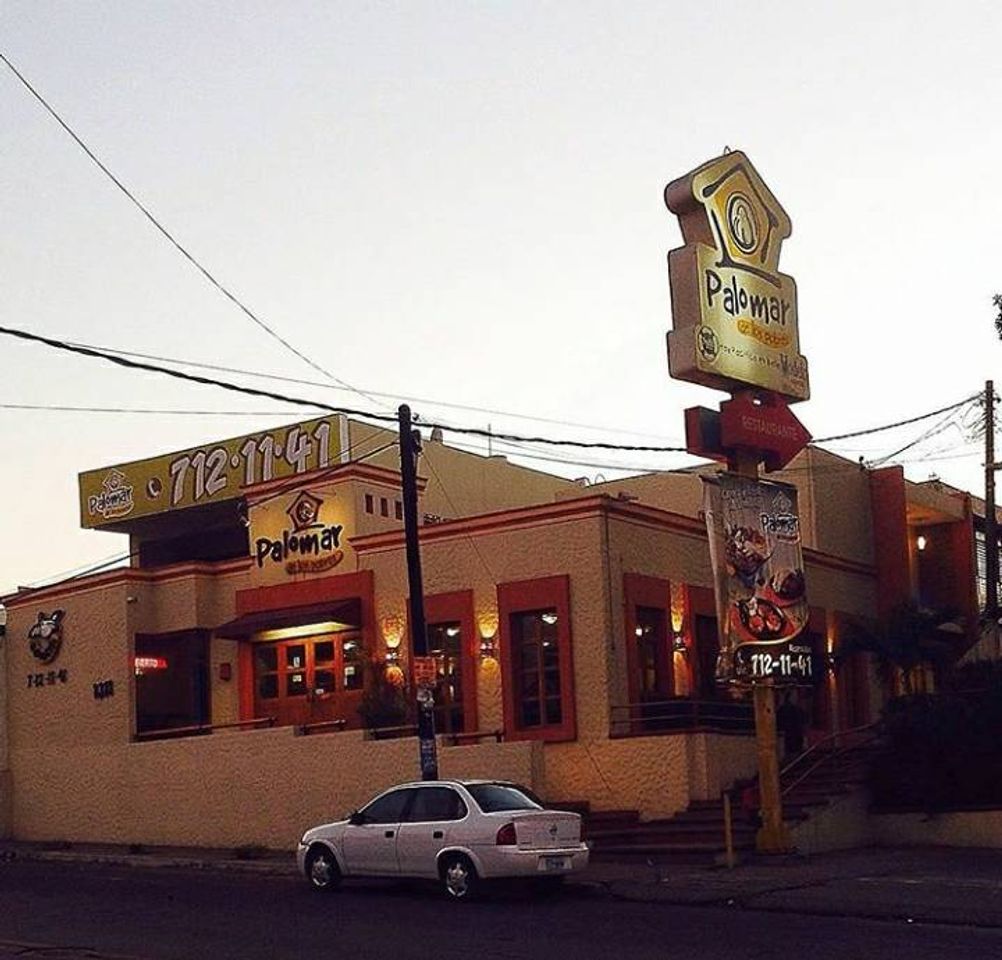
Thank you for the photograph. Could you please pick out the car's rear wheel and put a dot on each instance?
(459, 877)
(321, 868)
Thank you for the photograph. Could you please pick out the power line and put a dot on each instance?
(900, 423)
(471, 431)
(65, 408)
(224, 290)
(369, 393)
(271, 395)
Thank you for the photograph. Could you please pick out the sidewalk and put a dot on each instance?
(918, 884)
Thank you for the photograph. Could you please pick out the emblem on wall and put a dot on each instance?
(310, 546)
(45, 638)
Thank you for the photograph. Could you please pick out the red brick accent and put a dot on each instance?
(890, 537)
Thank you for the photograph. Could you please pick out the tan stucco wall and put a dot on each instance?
(460, 483)
(482, 562)
(254, 787)
(249, 787)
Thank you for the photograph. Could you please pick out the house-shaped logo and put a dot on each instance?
(734, 314)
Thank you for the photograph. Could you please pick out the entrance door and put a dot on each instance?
(309, 679)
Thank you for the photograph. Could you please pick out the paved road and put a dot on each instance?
(90, 910)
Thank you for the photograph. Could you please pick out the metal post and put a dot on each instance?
(728, 832)
(410, 446)
(991, 527)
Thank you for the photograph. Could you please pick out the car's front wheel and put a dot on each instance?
(459, 877)
(321, 868)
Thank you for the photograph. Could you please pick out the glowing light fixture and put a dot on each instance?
(921, 542)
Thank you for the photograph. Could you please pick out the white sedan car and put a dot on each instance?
(457, 831)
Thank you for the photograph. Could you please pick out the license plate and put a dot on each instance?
(551, 864)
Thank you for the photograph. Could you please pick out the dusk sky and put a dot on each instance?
(462, 204)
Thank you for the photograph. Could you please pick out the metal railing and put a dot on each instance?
(321, 726)
(202, 729)
(826, 750)
(681, 715)
(474, 736)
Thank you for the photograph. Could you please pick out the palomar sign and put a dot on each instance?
(734, 314)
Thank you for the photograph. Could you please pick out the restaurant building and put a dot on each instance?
(235, 683)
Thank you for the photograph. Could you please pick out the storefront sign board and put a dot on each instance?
(734, 315)
(212, 473)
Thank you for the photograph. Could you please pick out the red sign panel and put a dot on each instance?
(762, 422)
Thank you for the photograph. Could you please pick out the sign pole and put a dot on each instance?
(773, 835)
(735, 328)
(410, 446)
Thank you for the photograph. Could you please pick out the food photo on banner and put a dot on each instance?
(758, 570)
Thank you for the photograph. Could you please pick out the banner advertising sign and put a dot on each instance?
(758, 569)
(217, 471)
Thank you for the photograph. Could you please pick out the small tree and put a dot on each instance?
(384, 703)
(997, 302)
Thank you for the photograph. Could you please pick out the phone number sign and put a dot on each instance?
(786, 662)
(209, 474)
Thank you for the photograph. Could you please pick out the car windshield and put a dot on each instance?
(496, 797)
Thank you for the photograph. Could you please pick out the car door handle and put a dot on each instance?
(437, 835)
(388, 834)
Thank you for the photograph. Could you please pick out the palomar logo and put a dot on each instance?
(734, 314)
(116, 498)
(310, 546)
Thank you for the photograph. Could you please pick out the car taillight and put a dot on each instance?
(506, 836)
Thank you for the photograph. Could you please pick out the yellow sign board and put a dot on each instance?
(209, 474)
(734, 314)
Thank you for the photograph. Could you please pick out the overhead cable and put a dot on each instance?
(224, 290)
(389, 418)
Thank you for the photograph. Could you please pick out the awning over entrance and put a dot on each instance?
(344, 613)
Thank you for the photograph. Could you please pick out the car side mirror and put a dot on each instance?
(355, 818)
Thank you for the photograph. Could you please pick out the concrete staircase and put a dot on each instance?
(818, 780)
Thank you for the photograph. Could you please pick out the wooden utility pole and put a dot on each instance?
(991, 527)
(410, 446)
(773, 835)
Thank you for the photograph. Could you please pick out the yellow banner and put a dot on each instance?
(209, 474)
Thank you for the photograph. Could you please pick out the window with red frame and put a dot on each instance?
(536, 668)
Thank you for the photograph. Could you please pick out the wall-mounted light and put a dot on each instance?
(488, 648)
(548, 618)
(921, 542)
